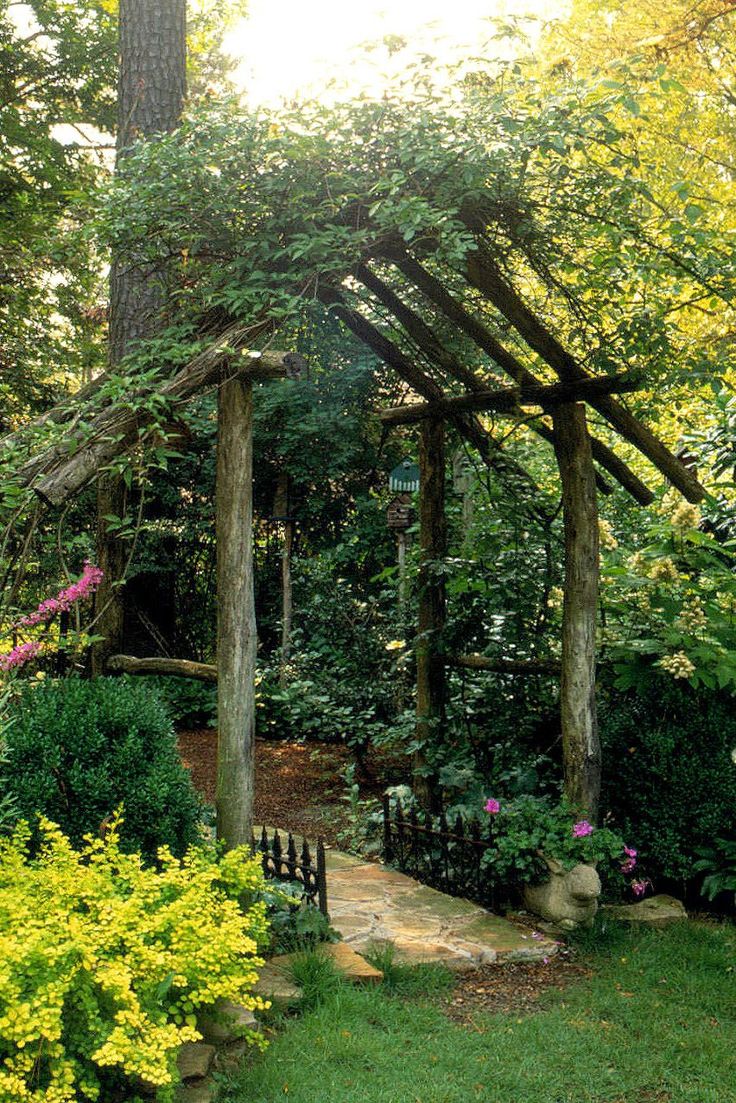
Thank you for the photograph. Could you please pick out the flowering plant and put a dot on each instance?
(527, 828)
(21, 653)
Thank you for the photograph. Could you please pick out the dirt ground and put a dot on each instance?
(300, 786)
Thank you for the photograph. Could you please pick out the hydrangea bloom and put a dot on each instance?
(581, 829)
(492, 806)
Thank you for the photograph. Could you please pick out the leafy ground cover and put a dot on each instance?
(654, 1022)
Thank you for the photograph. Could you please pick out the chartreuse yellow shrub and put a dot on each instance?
(104, 962)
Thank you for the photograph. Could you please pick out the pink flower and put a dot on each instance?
(492, 806)
(82, 588)
(20, 655)
(640, 887)
(581, 829)
(628, 866)
(630, 852)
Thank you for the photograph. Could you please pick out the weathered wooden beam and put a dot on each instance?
(483, 273)
(523, 667)
(57, 474)
(236, 621)
(430, 661)
(436, 293)
(581, 749)
(508, 399)
(179, 668)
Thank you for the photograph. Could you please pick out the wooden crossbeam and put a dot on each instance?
(484, 274)
(437, 294)
(508, 400)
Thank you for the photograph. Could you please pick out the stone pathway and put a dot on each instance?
(371, 904)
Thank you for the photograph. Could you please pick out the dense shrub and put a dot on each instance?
(76, 750)
(190, 703)
(668, 779)
(104, 962)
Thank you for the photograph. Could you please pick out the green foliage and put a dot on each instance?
(408, 981)
(293, 923)
(189, 702)
(316, 975)
(104, 963)
(670, 785)
(718, 863)
(77, 750)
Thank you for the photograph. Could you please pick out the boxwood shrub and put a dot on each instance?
(76, 750)
(669, 780)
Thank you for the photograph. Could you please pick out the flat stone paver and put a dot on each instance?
(370, 904)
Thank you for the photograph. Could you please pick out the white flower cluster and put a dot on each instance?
(693, 617)
(678, 665)
(664, 570)
(685, 517)
(605, 535)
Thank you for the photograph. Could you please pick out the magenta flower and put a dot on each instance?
(628, 866)
(492, 806)
(82, 588)
(630, 852)
(581, 829)
(640, 887)
(20, 655)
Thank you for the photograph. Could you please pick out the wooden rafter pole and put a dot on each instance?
(430, 660)
(437, 293)
(236, 622)
(524, 667)
(507, 400)
(466, 424)
(581, 749)
(483, 273)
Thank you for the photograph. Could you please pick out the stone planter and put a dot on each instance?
(569, 898)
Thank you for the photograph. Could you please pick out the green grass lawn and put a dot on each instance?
(655, 1024)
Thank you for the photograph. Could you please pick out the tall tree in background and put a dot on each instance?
(151, 91)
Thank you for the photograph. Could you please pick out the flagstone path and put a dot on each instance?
(370, 904)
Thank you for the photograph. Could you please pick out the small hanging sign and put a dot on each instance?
(404, 479)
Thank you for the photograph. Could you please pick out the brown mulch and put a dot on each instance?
(512, 989)
(297, 785)
(300, 786)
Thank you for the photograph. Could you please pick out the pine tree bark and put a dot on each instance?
(151, 91)
(581, 749)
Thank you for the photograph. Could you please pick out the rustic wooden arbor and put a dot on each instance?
(452, 392)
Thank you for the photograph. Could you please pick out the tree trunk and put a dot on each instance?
(151, 90)
(236, 620)
(431, 680)
(287, 599)
(580, 742)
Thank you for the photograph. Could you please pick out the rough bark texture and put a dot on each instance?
(151, 90)
(180, 668)
(580, 743)
(431, 677)
(236, 621)
(287, 599)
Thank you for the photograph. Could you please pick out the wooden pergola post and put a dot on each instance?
(430, 659)
(236, 621)
(580, 742)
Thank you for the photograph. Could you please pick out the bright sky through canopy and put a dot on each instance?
(289, 46)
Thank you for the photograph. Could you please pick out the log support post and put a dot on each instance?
(236, 624)
(430, 659)
(580, 742)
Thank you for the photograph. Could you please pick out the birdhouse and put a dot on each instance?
(404, 479)
(399, 514)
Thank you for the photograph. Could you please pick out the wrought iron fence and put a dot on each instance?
(446, 856)
(290, 864)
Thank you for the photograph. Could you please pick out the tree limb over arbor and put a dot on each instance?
(57, 474)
